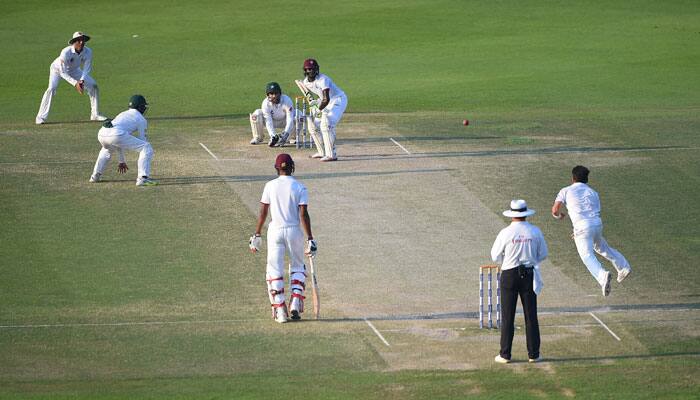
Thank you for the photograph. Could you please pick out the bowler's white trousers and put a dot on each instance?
(114, 141)
(589, 240)
(283, 240)
(54, 78)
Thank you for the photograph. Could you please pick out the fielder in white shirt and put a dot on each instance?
(275, 112)
(583, 204)
(520, 248)
(115, 136)
(68, 66)
(286, 200)
(329, 107)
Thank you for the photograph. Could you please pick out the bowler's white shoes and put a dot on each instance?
(622, 274)
(606, 286)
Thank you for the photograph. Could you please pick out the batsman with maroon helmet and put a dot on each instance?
(286, 200)
(328, 108)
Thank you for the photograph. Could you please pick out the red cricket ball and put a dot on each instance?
(465, 122)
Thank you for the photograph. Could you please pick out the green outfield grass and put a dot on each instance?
(109, 291)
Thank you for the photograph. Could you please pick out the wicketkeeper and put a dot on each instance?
(68, 66)
(286, 200)
(276, 112)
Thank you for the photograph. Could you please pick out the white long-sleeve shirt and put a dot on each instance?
(271, 111)
(583, 204)
(519, 243)
(321, 83)
(68, 64)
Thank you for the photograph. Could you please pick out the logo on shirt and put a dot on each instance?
(521, 239)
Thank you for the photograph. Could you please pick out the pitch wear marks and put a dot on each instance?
(67, 66)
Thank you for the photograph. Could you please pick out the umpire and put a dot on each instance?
(520, 248)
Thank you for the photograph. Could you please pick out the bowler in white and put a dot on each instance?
(583, 204)
(74, 65)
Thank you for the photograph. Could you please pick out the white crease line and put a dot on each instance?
(209, 151)
(377, 332)
(399, 144)
(605, 326)
(76, 325)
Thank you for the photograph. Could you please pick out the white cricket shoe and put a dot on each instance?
(501, 360)
(145, 181)
(317, 155)
(95, 178)
(329, 159)
(281, 314)
(40, 121)
(297, 307)
(534, 360)
(606, 286)
(254, 141)
(622, 274)
(98, 117)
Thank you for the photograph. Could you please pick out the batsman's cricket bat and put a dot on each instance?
(314, 289)
(303, 89)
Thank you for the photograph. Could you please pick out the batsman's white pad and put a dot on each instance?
(313, 130)
(275, 289)
(328, 131)
(257, 125)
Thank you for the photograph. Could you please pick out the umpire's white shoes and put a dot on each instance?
(145, 181)
(501, 360)
(95, 178)
(622, 274)
(98, 117)
(606, 285)
(40, 121)
(534, 360)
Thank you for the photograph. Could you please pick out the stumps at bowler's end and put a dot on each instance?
(490, 268)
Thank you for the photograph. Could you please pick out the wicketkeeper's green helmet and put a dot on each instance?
(273, 87)
(138, 102)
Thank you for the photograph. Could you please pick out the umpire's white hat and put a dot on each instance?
(518, 209)
(77, 36)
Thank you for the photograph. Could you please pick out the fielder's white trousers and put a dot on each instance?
(280, 241)
(113, 141)
(590, 240)
(54, 78)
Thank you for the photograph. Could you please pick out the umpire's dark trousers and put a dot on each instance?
(512, 285)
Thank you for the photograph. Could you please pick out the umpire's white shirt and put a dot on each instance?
(583, 204)
(284, 195)
(519, 243)
(68, 63)
(127, 122)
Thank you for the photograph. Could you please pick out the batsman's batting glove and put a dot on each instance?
(314, 103)
(311, 248)
(255, 243)
(315, 112)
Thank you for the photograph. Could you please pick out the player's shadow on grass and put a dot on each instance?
(196, 180)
